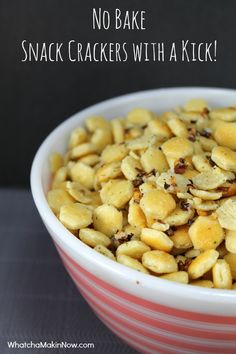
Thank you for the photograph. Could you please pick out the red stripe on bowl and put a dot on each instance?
(94, 297)
(226, 320)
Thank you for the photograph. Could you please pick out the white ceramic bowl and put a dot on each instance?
(152, 315)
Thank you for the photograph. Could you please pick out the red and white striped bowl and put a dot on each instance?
(152, 315)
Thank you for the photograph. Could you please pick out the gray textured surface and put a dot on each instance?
(38, 300)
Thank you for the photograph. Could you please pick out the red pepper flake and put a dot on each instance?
(180, 166)
(139, 179)
(137, 182)
(120, 237)
(192, 137)
(183, 266)
(192, 134)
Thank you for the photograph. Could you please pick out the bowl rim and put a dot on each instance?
(64, 237)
